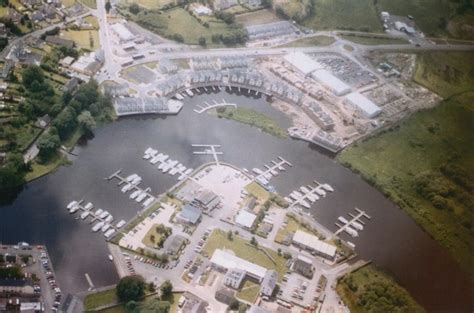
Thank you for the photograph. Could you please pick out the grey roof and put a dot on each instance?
(270, 279)
(9, 282)
(190, 213)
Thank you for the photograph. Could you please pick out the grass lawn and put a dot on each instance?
(253, 118)
(25, 135)
(358, 15)
(173, 300)
(413, 165)
(445, 73)
(374, 40)
(73, 139)
(83, 38)
(68, 3)
(292, 226)
(100, 298)
(241, 248)
(257, 17)
(375, 289)
(3, 11)
(92, 20)
(179, 21)
(151, 65)
(90, 3)
(149, 4)
(249, 291)
(40, 169)
(311, 41)
(152, 232)
(116, 309)
(258, 191)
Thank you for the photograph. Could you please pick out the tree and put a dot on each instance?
(166, 289)
(108, 6)
(134, 8)
(151, 287)
(86, 122)
(130, 288)
(254, 241)
(202, 41)
(47, 145)
(155, 306)
(65, 122)
(30, 75)
(230, 235)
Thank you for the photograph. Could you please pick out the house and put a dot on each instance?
(174, 244)
(303, 265)
(189, 215)
(269, 283)
(20, 285)
(70, 85)
(193, 304)
(37, 16)
(58, 41)
(245, 219)
(201, 10)
(43, 121)
(67, 61)
(234, 277)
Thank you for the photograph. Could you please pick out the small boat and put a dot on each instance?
(134, 194)
(352, 232)
(120, 224)
(350, 244)
(189, 92)
(188, 171)
(267, 176)
(72, 204)
(154, 160)
(74, 209)
(141, 197)
(287, 199)
(305, 204)
(294, 196)
(136, 180)
(104, 215)
(97, 226)
(304, 189)
(320, 192)
(89, 206)
(109, 233)
(327, 187)
(357, 225)
(311, 197)
(105, 227)
(257, 171)
(131, 177)
(274, 173)
(111, 258)
(98, 212)
(179, 96)
(85, 215)
(262, 181)
(109, 218)
(126, 188)
(342, 220)
(297, 193)
(148, 201)
(146, 156)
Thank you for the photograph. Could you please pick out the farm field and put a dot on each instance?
(83, 38)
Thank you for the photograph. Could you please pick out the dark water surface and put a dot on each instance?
(391, 239)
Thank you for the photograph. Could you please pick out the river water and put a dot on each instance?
(391, 239)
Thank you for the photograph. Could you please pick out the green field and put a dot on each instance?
(374, 40)
(258, 192)
(344, 14)
(90, 3)
(370, 290)
(431, 16)
(311, 41)
(252, 118)
(249, 291)
(149, 4)
(241, 248)
(178, 21)
(446, 73)
(101, 298)
(85, 39)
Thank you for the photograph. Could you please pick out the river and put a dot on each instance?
(391, 239)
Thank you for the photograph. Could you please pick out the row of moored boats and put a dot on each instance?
(312, 194)
(165, 164)
(138, 194)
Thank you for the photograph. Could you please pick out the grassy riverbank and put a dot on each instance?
(252, 118)
(370, 290)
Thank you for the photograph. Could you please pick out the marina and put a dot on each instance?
(131, 183)
(308, 194)
(352, 226)
(263, 176)
(166, 165)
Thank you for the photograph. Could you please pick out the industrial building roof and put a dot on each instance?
(190, 213)
(122, 32)
(314, 243)
(245, 218)
(302, 62)
(228, 260)
(330, 81)
(360, 101)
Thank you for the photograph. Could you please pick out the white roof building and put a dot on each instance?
(328, 80)
(122, 32)
(363, 104)
(227, 260)
(313, 243)
(245, 219)
(202, 10)
(302, 62)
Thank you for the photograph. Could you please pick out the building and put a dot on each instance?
(67, 61)
(234, 277)
(314, 245)
(251, 3)
(174, 244)
(58, 41)
(207, 200)
(122, 32)
(43, 121)
(245, 219)
(201, 10)
(21, 286)
(331, 82)
(189, 215)
(321, 118)
(269, 283)
(224, 4)
(302, 62)
(70, 85)
(193, 304)
(223, 260)
(362, 104)
(303, 265)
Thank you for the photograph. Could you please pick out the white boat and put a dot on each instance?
(109, 218)
(352, 232)
(165, 157)
(155, 160)
(294, 196)
(111, 258)
(179, 96)
(189, 92)
(327, 187)
(311, 197)
(72, 204)
(126, 188)
(342, 220)
(181, 177)
(104, 215)
(97, 226)
(105, 227)
(149, 150)
(134, 194)
(89, 206)
(74, 209)
(297, 193)
(305, 204)
(98, 212)
(357, 225)
(274, 173)
(267, 176)
(257, 171)
(148, 201)
(166, 168)
(141, 197)
(304, 189)
(350, 244)
(136, 180)
(188, 171)
(85, 215)
(120, 224)
(262, 180)
(320, 192)
(287, 199)
(146, 156)
(131, 177)
(109, 233)
(160, 167)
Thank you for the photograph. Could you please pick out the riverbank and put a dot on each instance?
(370, 290)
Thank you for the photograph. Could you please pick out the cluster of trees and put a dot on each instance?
(12, 174)
(134, 8)
(52, 32)
(227, 17)
(11, 272)
(50, 61)
(237, 36)
(11, 26)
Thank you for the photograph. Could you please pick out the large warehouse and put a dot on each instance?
(331, 82)
(226, 261)
(363, 104)
(122, 32)
(313, 244)
(302, 62)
